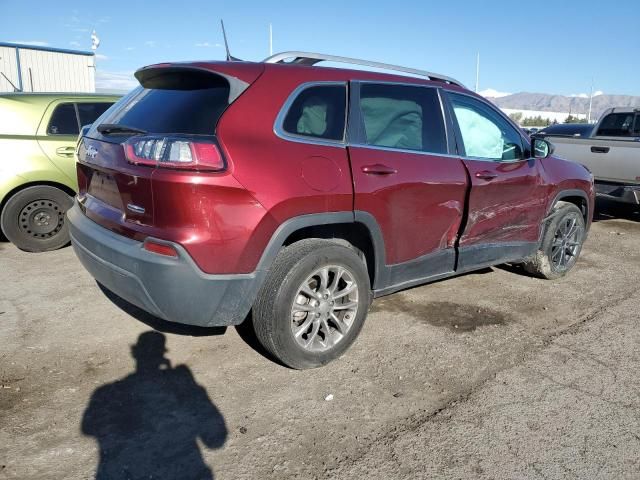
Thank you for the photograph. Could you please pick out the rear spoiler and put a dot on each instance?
(187, 76)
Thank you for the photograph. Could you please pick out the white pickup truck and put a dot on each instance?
(611, 152)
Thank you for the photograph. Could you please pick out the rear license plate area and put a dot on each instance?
(103, 186)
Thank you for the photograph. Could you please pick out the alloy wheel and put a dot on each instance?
(566, 243)
(324, 308)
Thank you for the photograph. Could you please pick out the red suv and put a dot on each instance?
(299, 193)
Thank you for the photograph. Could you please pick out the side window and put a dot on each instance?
(89, 112)
(318, 112)
(485, 134)
(636, 128)
(64, 121)
(402, 117)
(616, 125)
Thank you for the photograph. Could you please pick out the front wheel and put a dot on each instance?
(561, 243)
(313, 303)
(33, 219)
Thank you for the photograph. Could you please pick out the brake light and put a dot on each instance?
(160, 248)
(174, 152)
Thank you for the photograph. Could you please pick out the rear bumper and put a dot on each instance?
(618, 192)
(174, 289)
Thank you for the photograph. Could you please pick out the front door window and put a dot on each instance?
(485, 134)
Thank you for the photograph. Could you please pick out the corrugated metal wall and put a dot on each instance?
(47, 71)
(9, 67)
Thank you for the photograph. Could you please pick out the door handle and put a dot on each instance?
(66, 151)
(486, 175)
(379, 169)
(600, 149)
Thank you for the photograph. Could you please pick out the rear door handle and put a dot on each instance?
(66, 151)
(379, 169)
(486, 175)
(600, 149)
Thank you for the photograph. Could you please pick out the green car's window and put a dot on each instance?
(64, 120)
(88, 112)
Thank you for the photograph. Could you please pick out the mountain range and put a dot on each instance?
(560, 103)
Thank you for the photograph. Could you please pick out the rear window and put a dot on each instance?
(617, 125)
(188, 102)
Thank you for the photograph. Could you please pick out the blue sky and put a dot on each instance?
(524, 46)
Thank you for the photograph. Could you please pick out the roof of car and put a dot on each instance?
(346, 74)
(567, 130)
(312, 58)
(624, 110)
(568, 127)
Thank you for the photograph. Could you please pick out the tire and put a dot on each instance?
(33, 219)
(282, 309)
(560, 248)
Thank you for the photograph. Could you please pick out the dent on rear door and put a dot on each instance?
(402, 172)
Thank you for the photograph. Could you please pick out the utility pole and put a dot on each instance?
(270, 40)
(590, 102)
(95, 43)
(477, 72)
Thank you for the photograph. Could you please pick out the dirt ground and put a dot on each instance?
(489, 375)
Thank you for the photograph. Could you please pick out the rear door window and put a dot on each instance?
(89, 112)
(616, 125)
(318, 111)
(64, 120)
(402, 117)
(179, 102)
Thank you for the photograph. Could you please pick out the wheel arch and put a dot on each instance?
(578, 197)
(359, 229)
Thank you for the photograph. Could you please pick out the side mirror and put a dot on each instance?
(541, 148)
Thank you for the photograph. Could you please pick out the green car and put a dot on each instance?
(38, 135)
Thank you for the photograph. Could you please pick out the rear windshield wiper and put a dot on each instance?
(109, 128)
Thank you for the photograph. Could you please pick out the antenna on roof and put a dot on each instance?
(230, 58)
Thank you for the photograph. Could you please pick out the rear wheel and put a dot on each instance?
(313, 303)
(34, 218)
(561, 244)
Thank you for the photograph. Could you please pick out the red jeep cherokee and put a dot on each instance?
(299, 192)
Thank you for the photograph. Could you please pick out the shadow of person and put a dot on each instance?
(147, 424)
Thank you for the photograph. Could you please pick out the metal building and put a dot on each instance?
(29, 68)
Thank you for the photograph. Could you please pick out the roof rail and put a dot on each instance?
(309, 58)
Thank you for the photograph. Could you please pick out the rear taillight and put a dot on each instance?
(174, 152)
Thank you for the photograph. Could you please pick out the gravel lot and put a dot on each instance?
(489, 375)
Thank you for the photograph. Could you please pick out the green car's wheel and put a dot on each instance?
(34, 218)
